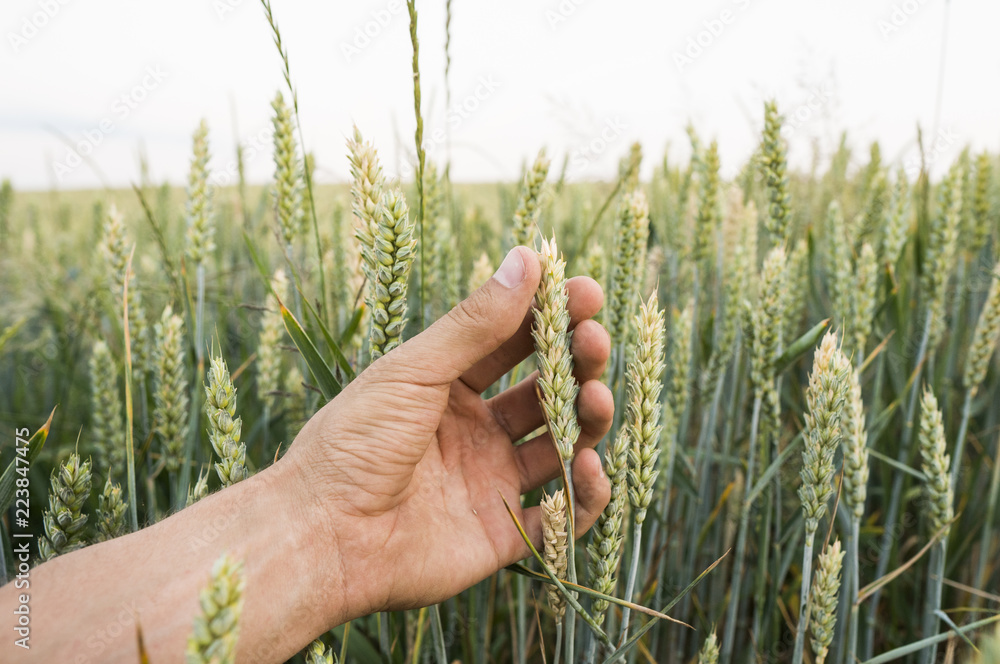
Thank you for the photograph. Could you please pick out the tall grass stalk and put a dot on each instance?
(644, 423)
(855, 486)
(939, 498)
(307, 172)
(825, 396)
(938, 259)
(129, 424)
(559, 390)
(418, 139)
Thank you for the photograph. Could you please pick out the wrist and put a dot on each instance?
(328, 544)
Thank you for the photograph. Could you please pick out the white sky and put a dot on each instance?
(607, 67)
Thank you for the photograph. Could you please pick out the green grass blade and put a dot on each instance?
(334, 347)
(35, 444)
(800, 346)
(917, 646)
(327, 383)
(518, 568)
(129, 410)
(775, 466)
(11, 330)
(897, 465)
(634, 639)
(352, 326)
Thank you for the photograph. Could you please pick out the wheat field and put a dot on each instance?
(804, 459)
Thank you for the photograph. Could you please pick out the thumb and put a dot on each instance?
(478, 325)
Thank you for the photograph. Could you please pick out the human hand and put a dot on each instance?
(404, 467)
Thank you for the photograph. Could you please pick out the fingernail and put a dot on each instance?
(511, 271)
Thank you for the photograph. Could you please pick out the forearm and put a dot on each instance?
(85, 606)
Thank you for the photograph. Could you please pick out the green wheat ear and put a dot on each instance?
(710, 650)
(288, 175)
(224, 427)
(935, 464)
(555, 537)
(200, 223)
(111, 510)
(528, 208)
(775, 166)
(388, 262)
(826, 589)
(64, 521)
(551, 334)
(318, 653)
(825, 396)
(171, 395)
(107, 411)
(217, 625)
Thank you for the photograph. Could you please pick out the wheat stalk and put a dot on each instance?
(938, 499)
(825, 397)
(644, 382)
(115, 247)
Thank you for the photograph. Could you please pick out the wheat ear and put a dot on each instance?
(64, 522)
(528, 205)
(171, 396)
(224, 427)
(111, 510)
(217, 625)
(826, 589)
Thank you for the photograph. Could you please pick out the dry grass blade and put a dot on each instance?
(570, 599)
(872, 587)
(625, 647)
(584, 590)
